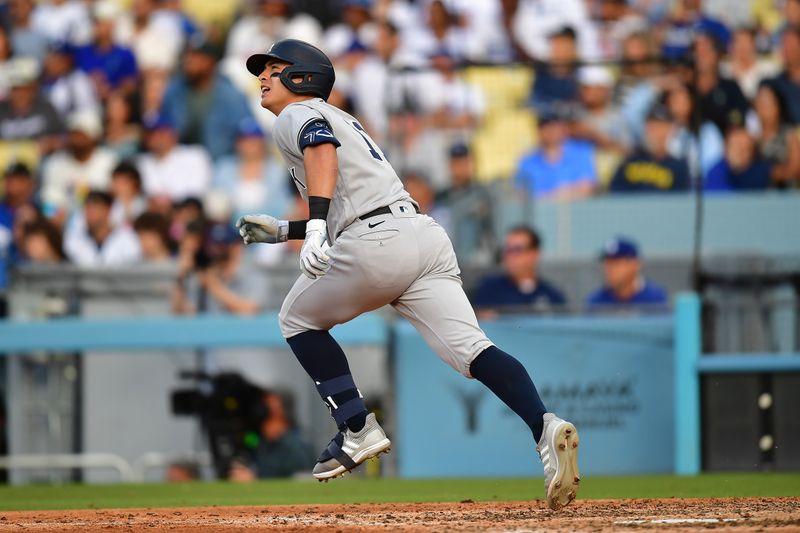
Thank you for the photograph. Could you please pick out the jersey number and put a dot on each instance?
(361, 132)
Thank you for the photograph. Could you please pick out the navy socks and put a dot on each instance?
(509, 381)
(324, 361)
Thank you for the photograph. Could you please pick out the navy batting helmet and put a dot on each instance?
(305, 61)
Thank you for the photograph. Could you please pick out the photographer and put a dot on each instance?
(209, 256)
(280, 452)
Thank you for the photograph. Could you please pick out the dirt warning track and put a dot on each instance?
(730, 514)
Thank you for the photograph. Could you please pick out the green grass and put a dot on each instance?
(356, 490)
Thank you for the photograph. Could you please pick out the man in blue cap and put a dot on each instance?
(624, 284)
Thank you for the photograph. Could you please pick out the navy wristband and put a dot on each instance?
(297, 230)
(318, 207)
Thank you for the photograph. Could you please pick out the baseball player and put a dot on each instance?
(365, 246)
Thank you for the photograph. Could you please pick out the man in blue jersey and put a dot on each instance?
(625, 286)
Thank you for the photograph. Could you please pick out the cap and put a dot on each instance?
(156, 121)
(248, 127)
(202, 45)
(60, 47)
(87, 122)
(659, 112)
(595, 75)
(459, 150)
(105, 10)
(23, 71)
(618, 248)
(18, 169)
(550, 114)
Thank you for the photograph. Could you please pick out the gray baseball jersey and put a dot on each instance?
(366, 180)
(399, 258)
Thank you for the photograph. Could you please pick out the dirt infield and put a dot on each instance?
(734, 514)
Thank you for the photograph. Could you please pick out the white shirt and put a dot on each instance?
(158, 45)
(184, 172)
(535, 20)
(73, 92)
(66, 22)
(65, 180)
(120, 248)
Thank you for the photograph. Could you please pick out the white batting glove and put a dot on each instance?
(314, 261)
(262, 228)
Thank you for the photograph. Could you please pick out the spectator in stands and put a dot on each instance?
(651, 168)
(745, 66)
(154, 35)
(640, 84)
(598, 120)
(172, 170)
(27, 115)
(355, 29)
(253, 180)
(42, 243)
(83, 165)
(440, 35)
(93, 241)
(561, 168)
(67, 88)
(26, 39)
(699, 143)
(519, 284)
(619, 21)
(555, 83)
(126, 188)
(281, 450)
(536, 21)
(624, 284)
(420, 189)
(788, 81)
(16, 193)
(208, 278)
(778, 143)
(720, 99)
(152, 230)
(122, 133)
(371, 78)
(790, 19)
(64, 21)
(272, 21)
(112, 67)
(687, 21)
(742, 168)
(465, 210)
(17, 187)
(204, 106)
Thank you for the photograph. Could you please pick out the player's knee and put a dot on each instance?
(288, 323)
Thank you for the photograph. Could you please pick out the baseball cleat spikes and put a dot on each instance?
(558, 450)
(348, 449)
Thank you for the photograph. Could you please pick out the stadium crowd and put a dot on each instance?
(130, 130)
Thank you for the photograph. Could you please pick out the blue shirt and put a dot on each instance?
(549, 89)
(649, 294)
(117, 63)
(499, 290)
(642, 172)
(542, 177)
(723, 178)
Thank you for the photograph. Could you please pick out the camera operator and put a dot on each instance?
(280, 452)
(209, 259)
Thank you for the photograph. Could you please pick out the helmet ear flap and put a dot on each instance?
(308, 84)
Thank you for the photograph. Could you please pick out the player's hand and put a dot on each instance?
(314, 260)
(262, 228)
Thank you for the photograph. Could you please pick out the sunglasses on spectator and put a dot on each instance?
(518, 249)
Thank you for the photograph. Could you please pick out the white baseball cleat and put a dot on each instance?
(558, 450)
(348, 449)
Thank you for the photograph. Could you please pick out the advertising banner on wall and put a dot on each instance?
(611, 376)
